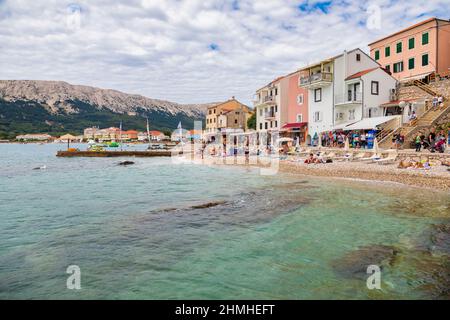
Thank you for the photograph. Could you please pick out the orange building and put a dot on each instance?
(229, 114)
(421, 51)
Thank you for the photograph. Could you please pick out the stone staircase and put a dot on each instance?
(410, 130)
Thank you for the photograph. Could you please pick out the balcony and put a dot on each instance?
(348, 99)
(267, 100)
(317, 80)
(271, 115)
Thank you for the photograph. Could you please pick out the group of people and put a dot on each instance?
(435, 142)
(357, 139)
(438, 101)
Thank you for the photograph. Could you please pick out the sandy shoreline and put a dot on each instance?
(435, 178)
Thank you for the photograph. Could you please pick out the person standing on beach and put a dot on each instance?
(418, 143)
(432, 138)
(362, 138)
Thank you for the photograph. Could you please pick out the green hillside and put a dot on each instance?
(22, 117)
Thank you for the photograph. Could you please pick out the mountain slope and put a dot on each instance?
(58, 107)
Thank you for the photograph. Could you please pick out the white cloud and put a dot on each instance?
(161, 48)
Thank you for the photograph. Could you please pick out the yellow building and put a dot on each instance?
(230, 114)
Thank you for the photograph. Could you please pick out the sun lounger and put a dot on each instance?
(372, 158)
(391, 158)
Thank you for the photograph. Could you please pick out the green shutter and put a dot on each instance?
(399, 47)
(387, 51)
(411, 43)
(377, 55)
(411, 63)
(425, 60)
(425, 38)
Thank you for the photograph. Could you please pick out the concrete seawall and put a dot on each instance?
(106, 154)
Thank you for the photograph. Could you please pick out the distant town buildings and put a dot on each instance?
(34, 137)
(230, 114)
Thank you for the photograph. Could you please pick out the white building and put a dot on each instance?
(345, 89)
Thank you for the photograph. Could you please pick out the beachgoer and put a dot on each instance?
(435, 102)
(432, 139)
(418, 143)
(311, 159)
(441, 101)
(362, 138)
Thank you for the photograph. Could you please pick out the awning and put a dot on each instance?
(370, 123)
(342, 126)
(294, 125)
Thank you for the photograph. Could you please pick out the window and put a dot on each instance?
(317, 116)
(387, 51)
(260, 126)
(276, 123)
(388, 68)
(399, 47)
(214, 111)
(411, 43)
(260, 112)
(271, 124)
(235, 121)
(358, 57)
(377, 55)
(425, 60)
(300, 99)
(398, 67)
(351, 114)
(339, 116)
(265, 125)
(375, 88)
(411, 64)
(425, 38)
(299, 118)
(318, 95)
(276, 91)
(209, 111)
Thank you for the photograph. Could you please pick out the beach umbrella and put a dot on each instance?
(375, 145)
(347, 144)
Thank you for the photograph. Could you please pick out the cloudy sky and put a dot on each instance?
(189, 51)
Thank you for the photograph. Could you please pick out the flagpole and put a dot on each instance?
(148, 133)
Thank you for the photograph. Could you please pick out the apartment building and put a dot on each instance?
(230, 114)
(345, 89)
(269, 102)
(421, 51)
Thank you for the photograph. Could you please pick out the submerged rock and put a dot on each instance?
(354, 264)
(208, 205)
(126, 163)
(440, 238)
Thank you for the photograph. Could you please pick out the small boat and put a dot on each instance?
(113, 145)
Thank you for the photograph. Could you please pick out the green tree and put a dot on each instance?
(251, 122)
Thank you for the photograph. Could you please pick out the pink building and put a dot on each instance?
(297, 108)
(421, 51)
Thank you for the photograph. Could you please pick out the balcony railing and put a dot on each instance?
(270, 114)
(351, 97)
(316, 78)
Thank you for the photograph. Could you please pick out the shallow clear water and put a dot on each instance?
(134, 233)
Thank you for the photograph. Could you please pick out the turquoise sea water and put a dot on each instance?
(135, 234)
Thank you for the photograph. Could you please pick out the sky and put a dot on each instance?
(190, 51)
